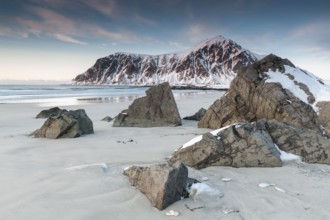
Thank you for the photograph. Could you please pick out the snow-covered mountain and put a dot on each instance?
(212, 62)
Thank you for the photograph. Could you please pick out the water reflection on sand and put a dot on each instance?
(178, 95)
(116, 99)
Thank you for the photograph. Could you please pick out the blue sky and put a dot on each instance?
(58, 39)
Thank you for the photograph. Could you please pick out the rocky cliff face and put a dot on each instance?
(272, 88)
(212, 62)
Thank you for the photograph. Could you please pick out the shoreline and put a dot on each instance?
(174, 87)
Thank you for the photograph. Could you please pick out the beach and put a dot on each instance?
(82, 178)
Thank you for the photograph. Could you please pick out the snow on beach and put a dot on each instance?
(66, 178)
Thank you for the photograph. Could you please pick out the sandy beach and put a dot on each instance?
(82, 178)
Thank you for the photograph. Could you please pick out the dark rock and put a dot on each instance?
(107, 119)
(163, 184)
(50, 112)
(68, 124)
(197, 116)
(156, 109)
(241, 145)
(307, 143)
(251, 98)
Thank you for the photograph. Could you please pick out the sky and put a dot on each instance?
(59, 39)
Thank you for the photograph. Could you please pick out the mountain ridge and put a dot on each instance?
(213, 61)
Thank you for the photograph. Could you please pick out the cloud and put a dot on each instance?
(4, 31)
(68, 39)
(62, 28)
(52, 24)
(177, 44)
(143, 20)
(106, 7)
(316, 34)
(8, 32)
(313, 28)
(118, 36)
(48, 22)
(45, 18)
(200, 31)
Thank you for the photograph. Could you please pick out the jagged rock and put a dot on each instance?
(163, 184)
(157, 108)
(307, 143)
(67, 124)
(251, 97)
(213, 61)
(241, 145)
(324, 117)
(107, 119)
(197, 116)
(50, 112)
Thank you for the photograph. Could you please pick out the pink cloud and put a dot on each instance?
(68, 39)
(106, 7)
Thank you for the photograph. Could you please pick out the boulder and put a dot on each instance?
(50, 112)
(324, 117)
(163, 184)
(307, 143)
(251, 97)
(157, 108)
(67, 124)
(240, 145)
(197, 116)
(107, 119)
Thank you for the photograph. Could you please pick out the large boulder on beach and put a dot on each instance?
(163, 184)
(254, 144)
(197, 116)
(50, 112)
(67, 124)
(272, 88)
(157, 108)
(239, 145)
(309, 144)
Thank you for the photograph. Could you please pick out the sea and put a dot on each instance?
(63, 95)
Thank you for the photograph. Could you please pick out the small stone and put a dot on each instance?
(225, 179)
(205, 179)
(279, 189)
(264, 185)
(172, 213)
(197, 116)
(107, 119)
(227, 210)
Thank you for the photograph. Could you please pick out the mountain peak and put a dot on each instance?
(214, 61)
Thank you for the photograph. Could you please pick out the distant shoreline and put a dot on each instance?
(197, 88)
(175, 87)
